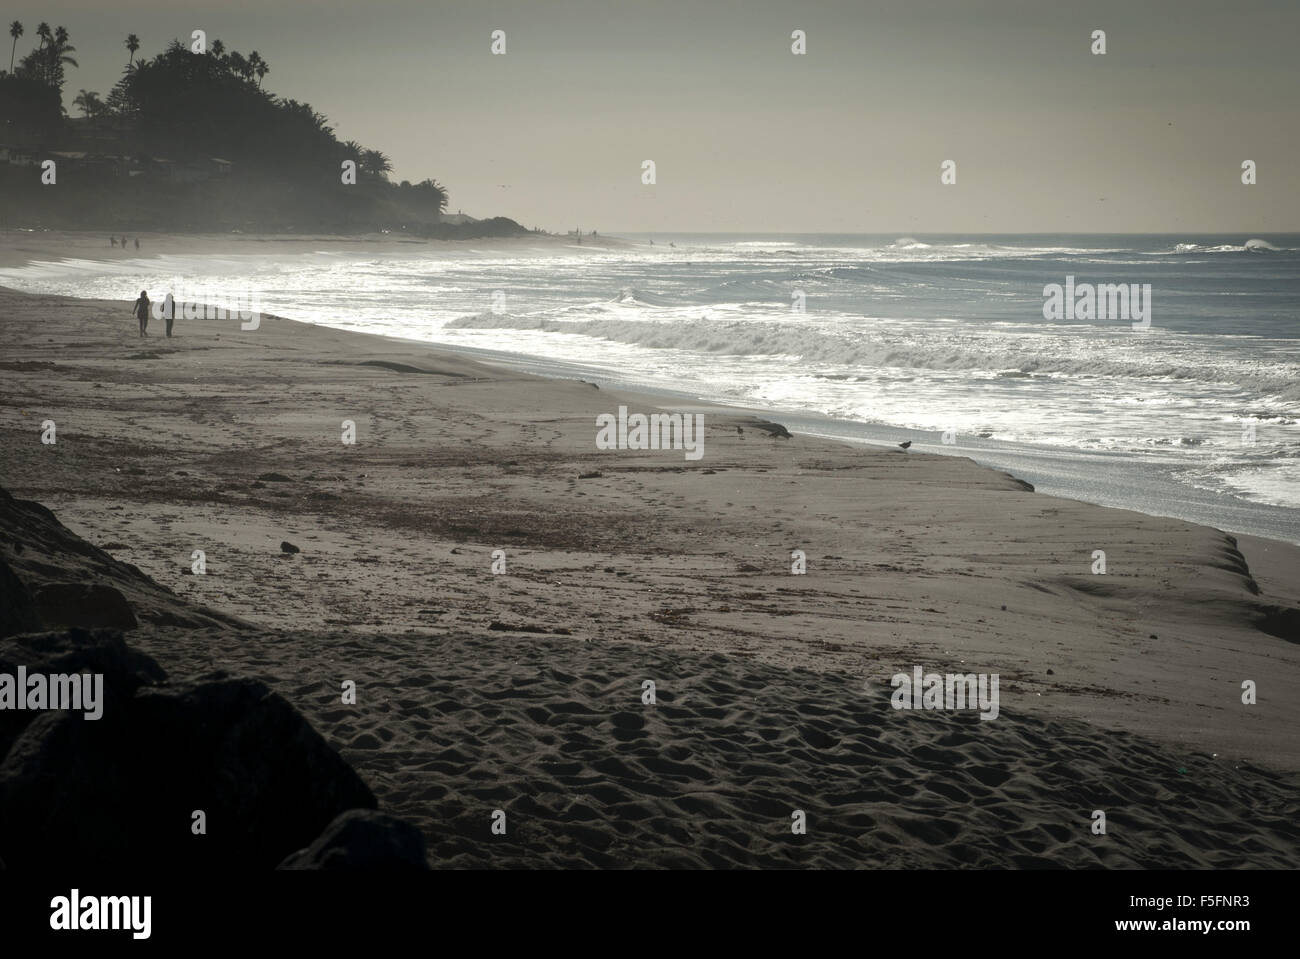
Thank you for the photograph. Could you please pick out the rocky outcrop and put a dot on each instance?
(363, 840)
(76, 584)
(17, 609)
(218, 772)
(87, 606)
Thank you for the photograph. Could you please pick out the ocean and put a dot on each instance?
(1191, 411)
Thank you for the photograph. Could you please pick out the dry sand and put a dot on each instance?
(522, 691)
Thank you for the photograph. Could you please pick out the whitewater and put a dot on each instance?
(871, 339)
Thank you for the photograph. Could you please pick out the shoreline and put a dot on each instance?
(1105, 478)
(20, 247)
(1050, 470)
(231, 439)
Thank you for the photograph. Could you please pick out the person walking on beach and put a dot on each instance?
(137, 243)
(169, 311)
(141, 309)
(112, 241)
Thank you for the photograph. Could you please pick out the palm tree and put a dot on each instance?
(132, 45)
(217, 48)
(260, 67)
(438, 191)
(36, 61)
(46, 63)
(60, 55)
(375, 163)
(89, 103)
(238, 65)
(15, 31)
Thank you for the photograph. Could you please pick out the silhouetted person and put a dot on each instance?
(169, 311)
(124, 243)
(141, 308)
(137, 243)
(112, 241)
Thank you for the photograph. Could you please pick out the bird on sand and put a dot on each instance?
(903, 446)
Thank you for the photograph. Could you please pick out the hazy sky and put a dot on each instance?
(748, 137)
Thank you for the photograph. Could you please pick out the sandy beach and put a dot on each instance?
(522, 689)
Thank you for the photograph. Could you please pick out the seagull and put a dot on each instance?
(903, 446)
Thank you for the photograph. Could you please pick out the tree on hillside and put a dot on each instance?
(15, 31)
(117, 104)
(28, 107)
(188, 107)
(60, 55)
(35, 61)
(184, 102)
(46, 63)
(89, 103)
(375, 163)
(433, 193)
(260, 67)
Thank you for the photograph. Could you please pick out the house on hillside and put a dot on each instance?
(18, 156)
(188, 171)
(68, 159)
(109, 164)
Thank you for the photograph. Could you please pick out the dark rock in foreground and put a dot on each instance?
(72, 583)
(124, 788)
(362, 839)
(76, 651)
(17, 609)
(86, 606)
(217, 772)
